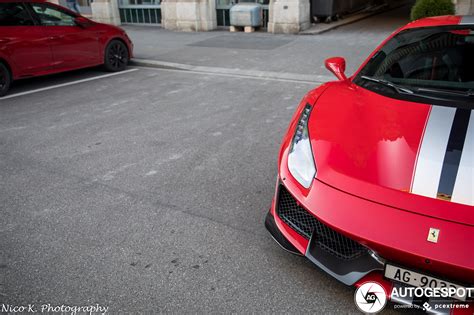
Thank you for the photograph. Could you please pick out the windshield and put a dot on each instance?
(432, 62)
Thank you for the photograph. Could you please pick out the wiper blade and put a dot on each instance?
(399, 89)
(468, 93)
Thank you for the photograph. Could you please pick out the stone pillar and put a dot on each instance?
(288, 16)
(189, 15)
(106, 11)
(464, 7)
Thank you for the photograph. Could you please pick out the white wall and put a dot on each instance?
(464, 7)
(189, 15)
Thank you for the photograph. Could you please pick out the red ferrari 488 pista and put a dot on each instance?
(376, 175)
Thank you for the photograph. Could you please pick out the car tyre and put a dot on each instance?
(5, 79)
(116, 56)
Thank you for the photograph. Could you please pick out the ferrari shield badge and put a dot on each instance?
(433, 235)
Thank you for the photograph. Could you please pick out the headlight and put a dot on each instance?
(300, 158)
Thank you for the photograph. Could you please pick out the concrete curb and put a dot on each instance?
(323, 28)
(282, 76)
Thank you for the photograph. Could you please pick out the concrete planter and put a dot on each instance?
(189, 15)
(289, 16)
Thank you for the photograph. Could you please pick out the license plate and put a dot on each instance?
(419, 280)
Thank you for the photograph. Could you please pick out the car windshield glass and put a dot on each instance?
(432, 61)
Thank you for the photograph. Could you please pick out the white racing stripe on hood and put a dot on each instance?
(467, 20)
(464, 186)
(433, 149)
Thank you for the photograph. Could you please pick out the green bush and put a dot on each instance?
(427, 8)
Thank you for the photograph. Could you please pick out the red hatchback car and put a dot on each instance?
(39, 38)
(376, 171)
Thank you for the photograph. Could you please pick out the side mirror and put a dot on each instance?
(337, 65)
(82, 22)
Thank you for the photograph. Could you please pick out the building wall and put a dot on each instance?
(189, 15)
(464, 7)
(285, 16)
(289, 16)
(106, 11)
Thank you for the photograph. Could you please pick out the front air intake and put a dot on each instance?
(307, 225)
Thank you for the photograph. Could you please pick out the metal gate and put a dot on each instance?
(141, 12)
(223, 9)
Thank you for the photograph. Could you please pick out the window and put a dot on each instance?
(139, 2)
(14, 14)
(51, 16)
(221, 3)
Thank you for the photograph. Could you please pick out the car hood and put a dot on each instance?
(413, 156)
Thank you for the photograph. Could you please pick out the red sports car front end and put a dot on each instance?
(376, 175)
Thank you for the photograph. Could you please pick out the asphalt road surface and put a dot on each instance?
(146, 192)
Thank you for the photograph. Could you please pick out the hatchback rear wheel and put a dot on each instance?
(116, 56)
(5, 79)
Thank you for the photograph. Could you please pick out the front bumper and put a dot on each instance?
(339, 256)
(391, 233)
(278, 236)
(347, 236)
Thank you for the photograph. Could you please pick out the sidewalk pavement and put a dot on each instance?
(295, 57)
(388, 5)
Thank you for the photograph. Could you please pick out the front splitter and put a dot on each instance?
(346, 271)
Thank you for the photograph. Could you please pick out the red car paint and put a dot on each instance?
(40, 50)
(365, 148)
(368, 160)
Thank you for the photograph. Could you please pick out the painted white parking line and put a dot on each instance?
(238, 76)
(67, 84)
